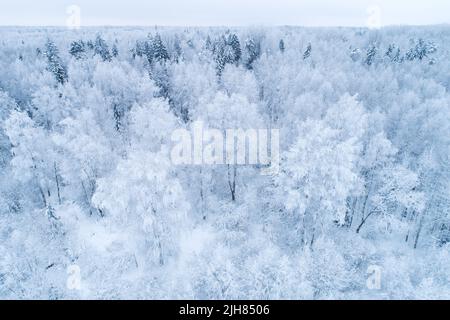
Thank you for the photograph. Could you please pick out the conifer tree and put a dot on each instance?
(54, 62)
(307, 53)
(159, 50)
(101, 48)
(371, 53)
(281, 46)
(114, 50)
(233, 41)
(253, 52)
(78, 49)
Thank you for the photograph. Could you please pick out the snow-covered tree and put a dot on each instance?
(101, 48)
(78, 49)
(54, 62)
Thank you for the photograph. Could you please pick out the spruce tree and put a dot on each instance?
(78, 49)
(390, 51)
(371, 53)
(223, 54)
(101, 48)
(159, 50)
(54, 62)
(208, 43)
(281, 46)
(253, 52)
(177, 50)
(114, 50)
(307, 53)
(148, 51)
(233, 42)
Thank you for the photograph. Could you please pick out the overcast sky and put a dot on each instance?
(226, 12)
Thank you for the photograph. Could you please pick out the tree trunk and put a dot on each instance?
(44, 200)
(363, 222)
(57, 184)
(88, 201)
(416, 240)
(202, 210)
(351, 203)
(232, 182)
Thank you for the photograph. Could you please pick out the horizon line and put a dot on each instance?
(224, 26)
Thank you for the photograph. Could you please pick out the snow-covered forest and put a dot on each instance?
(91, 206)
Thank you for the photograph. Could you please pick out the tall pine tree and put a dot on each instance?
(54, 62)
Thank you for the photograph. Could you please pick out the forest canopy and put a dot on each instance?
(91, 205)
